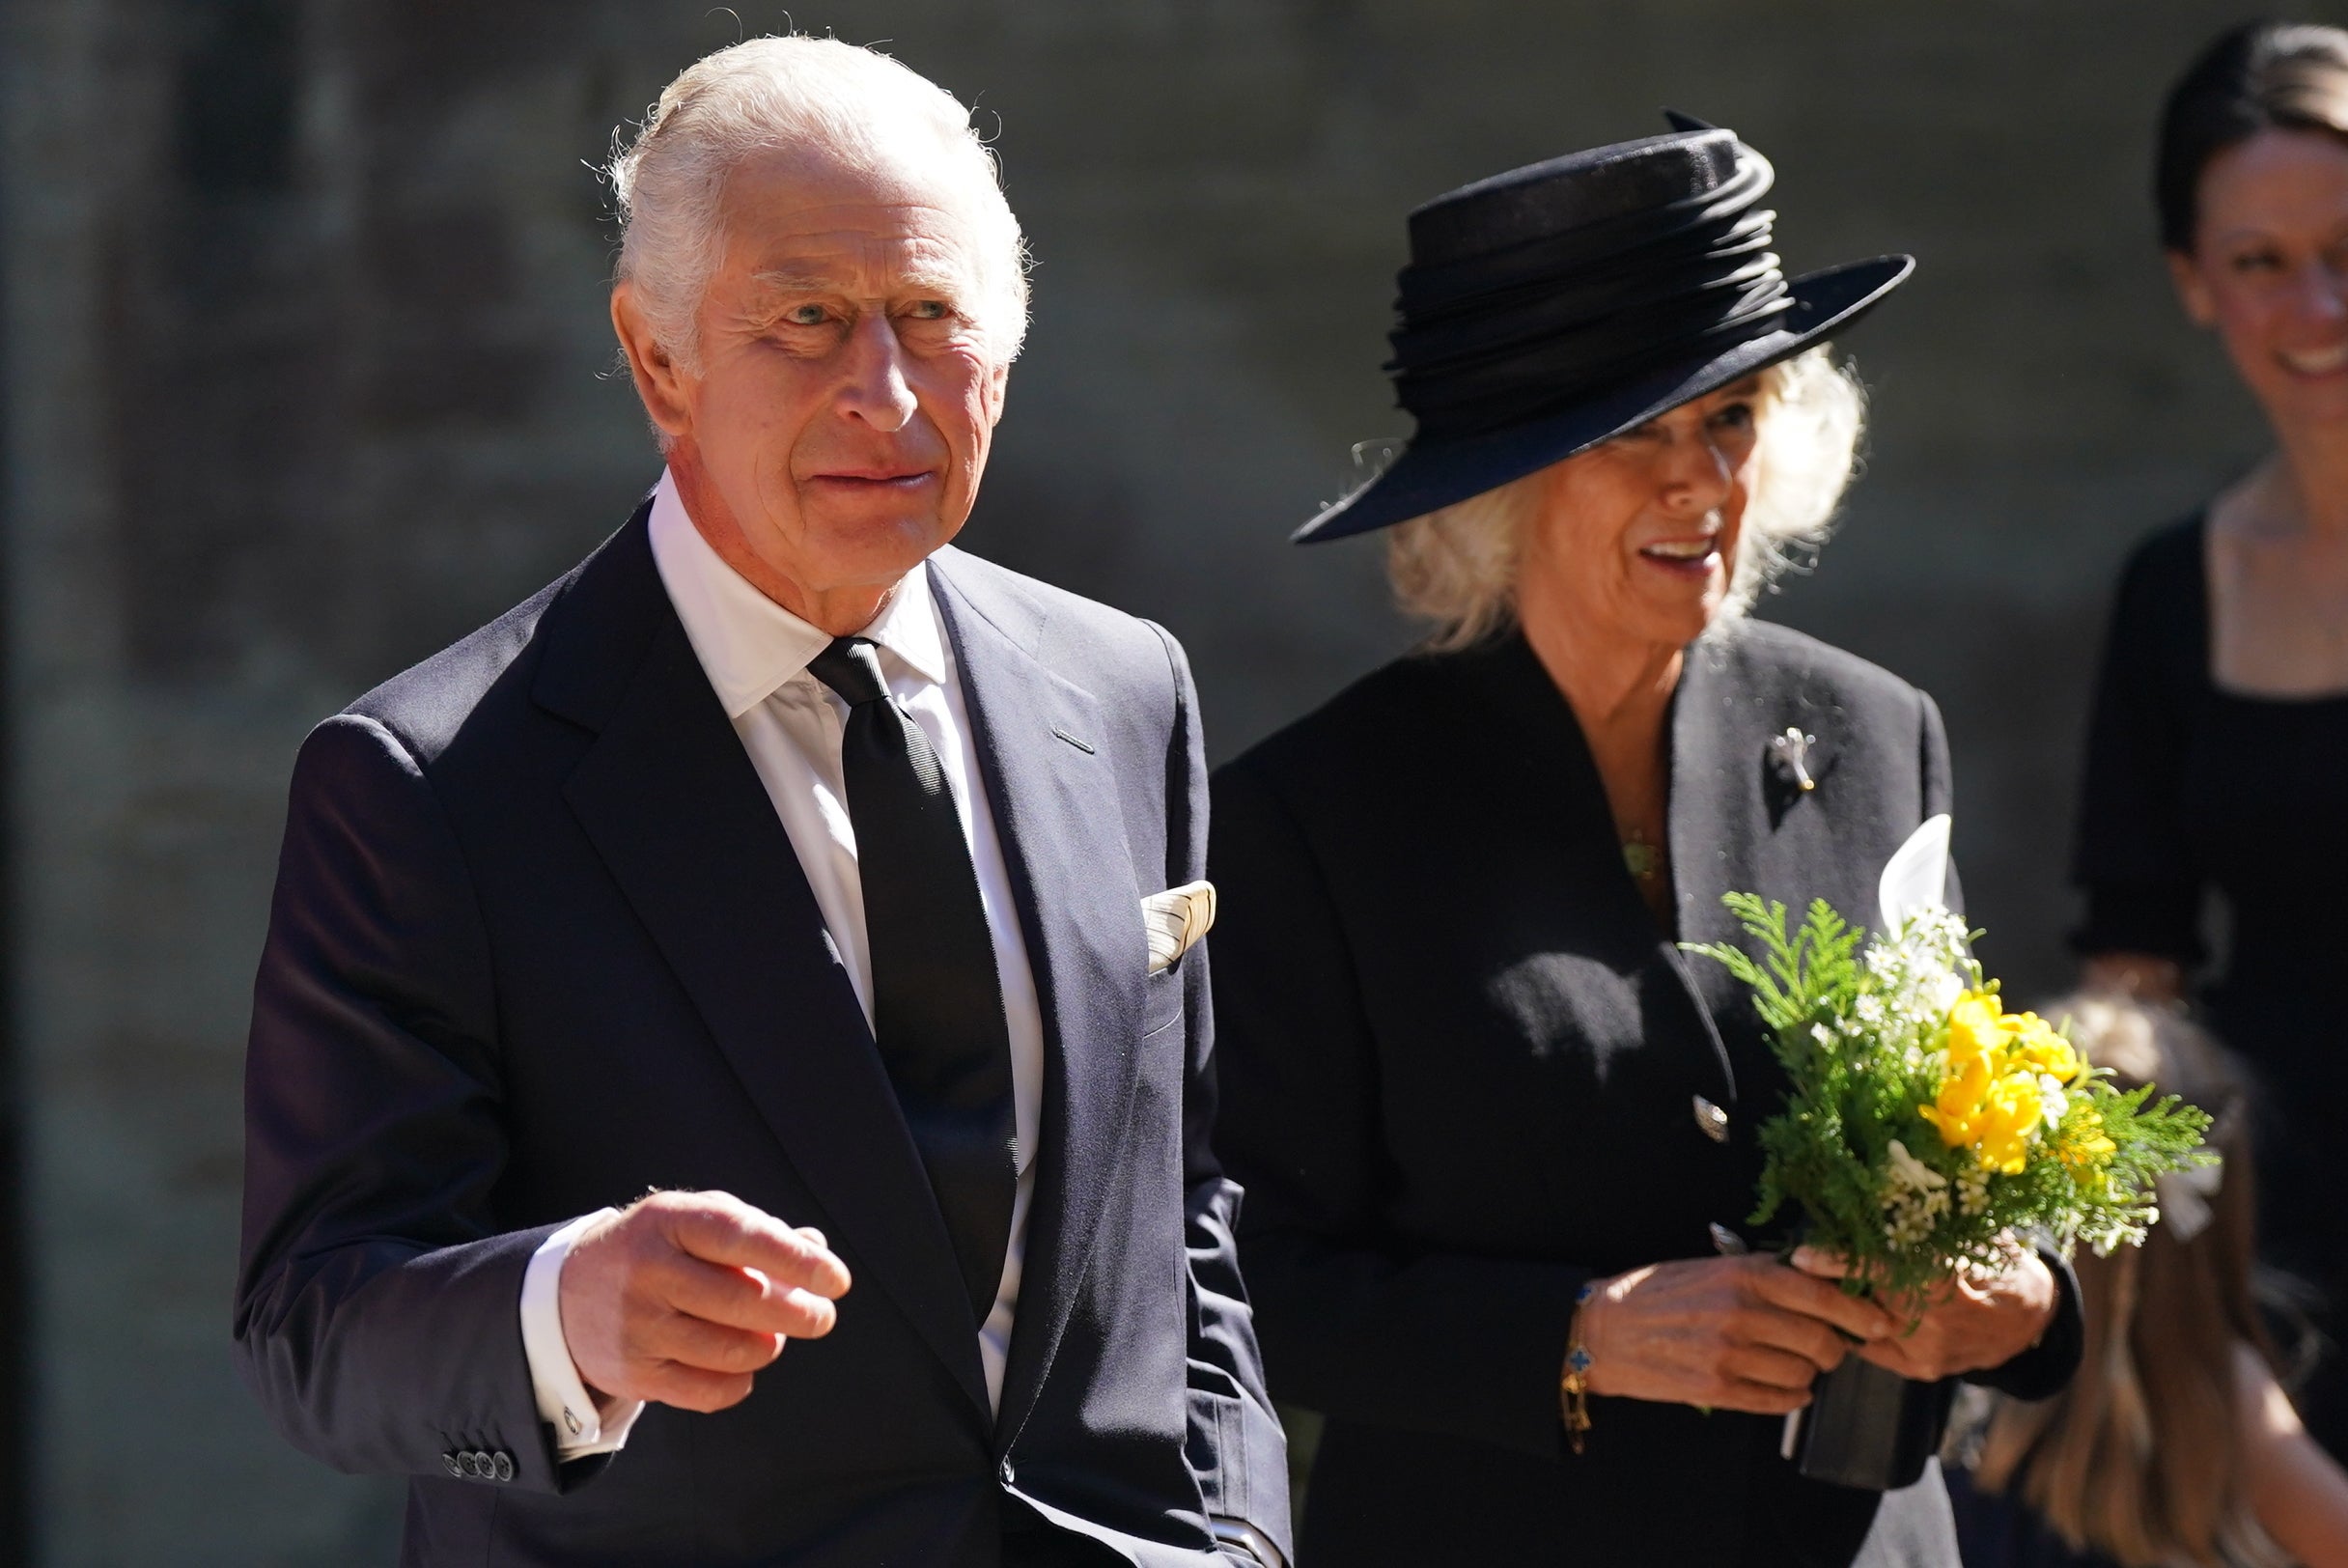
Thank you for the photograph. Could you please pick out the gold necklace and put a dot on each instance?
(1643, 860)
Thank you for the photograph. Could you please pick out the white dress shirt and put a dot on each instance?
(755, 653)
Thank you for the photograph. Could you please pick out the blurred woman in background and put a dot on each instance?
(2174, 1444)
(2218, 748)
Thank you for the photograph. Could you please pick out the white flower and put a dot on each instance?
(2052, 1100)
(1911, 1172)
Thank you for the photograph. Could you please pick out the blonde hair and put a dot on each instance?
(1457, 568)
(2142, 1458)
(776, 95)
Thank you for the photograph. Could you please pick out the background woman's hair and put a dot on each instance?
(2262, 76)
(2142, 1458)
(1457, 568)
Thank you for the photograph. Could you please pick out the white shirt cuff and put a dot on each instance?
(581, 1429)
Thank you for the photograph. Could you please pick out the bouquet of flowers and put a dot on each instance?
(1925, 1123)
(1926, 1127)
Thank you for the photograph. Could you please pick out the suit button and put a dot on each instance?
(502, 1465)
(452, 1465)
(1712, 1119)
(1004, 1469)
(476, 1464)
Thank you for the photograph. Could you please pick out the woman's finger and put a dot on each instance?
(1774, 1367)
(1793, 1291)
(1819, 1264)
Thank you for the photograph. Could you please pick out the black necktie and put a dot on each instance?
(938, 1005)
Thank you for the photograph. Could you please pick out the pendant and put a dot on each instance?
(1643, 859)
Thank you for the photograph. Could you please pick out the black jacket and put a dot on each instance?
(1461, 1068)
(539, 942)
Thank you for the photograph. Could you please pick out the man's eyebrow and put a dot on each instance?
(919, 272)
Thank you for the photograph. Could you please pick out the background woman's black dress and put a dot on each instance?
(2189, 790)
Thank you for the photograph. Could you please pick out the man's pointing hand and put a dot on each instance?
(682, 1297)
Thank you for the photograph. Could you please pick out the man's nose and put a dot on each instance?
(872, 386)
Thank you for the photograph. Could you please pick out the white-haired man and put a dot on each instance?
(794, 869)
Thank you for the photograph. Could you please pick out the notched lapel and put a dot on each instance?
(1054, 799)
(672, 803)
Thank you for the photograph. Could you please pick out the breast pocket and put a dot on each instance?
(1162, 998)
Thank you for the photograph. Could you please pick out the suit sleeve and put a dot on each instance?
(1358, 1325)
(1235, 1447)
(376, 1313)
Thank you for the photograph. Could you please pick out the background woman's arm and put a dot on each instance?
(2298, 1492)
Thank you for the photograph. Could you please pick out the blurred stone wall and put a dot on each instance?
(308, 373)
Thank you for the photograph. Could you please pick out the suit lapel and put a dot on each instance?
(1064, 845)
(1739, 822)
(670, 800)
(1711, 840)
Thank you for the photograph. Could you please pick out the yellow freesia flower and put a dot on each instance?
(2038, 1043)
(1976, 1027)
(1956, 1111)
(2087, 1144)
(2009, 1115)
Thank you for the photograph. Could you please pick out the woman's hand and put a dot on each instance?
(1981, 1318)
(1727, 1333)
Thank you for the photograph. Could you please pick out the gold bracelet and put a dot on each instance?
(1574, 1387)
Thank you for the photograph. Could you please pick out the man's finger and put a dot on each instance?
(710, 1347)
(688, 1387)
(743, 1299)
(722, 1229)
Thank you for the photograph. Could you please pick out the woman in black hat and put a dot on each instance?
(1497, 1134)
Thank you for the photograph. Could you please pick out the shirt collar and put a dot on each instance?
(747, 644)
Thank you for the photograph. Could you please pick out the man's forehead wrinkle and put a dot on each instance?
(849, 261)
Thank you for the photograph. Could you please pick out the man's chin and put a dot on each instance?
(875, 551)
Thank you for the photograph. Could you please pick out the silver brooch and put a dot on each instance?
(1791, 750)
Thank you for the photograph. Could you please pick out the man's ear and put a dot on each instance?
(664, 385)
(998, 379)
(2193, 290)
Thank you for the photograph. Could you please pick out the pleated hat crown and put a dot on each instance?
(1553, 306)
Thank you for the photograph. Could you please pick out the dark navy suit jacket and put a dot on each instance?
(539, 942)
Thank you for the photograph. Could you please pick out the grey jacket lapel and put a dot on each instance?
(1040, 745)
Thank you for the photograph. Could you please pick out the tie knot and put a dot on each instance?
(852, 667)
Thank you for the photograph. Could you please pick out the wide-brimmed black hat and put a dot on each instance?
(1552, 307)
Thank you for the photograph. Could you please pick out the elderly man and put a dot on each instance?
(830, 887)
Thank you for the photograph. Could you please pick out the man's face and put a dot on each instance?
(837, 426)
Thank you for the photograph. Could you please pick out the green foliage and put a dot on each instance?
(1864, 1032)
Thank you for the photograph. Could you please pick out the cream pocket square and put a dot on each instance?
(1174, 919)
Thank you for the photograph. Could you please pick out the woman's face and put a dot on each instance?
(1634, 540)
(2269, 270)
